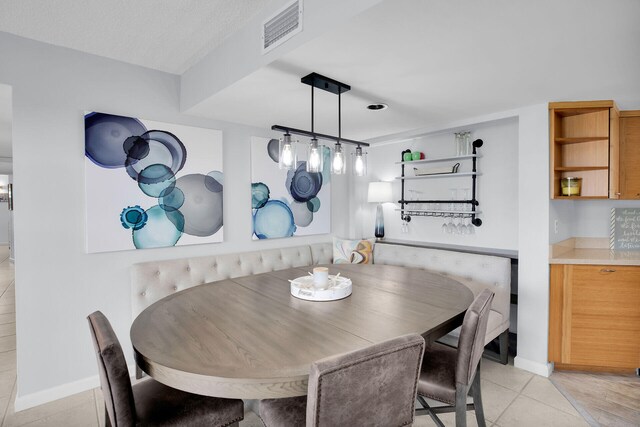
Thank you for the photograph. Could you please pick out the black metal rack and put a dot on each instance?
(406, 213)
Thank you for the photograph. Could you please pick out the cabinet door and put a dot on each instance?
(614, 153)
(630, 157)
(602, 316)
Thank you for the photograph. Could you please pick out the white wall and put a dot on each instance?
(4, 213)
(57, 283)
(587, 218)
(515, 165)
(561, 212)
(497, 186)
(533, 237)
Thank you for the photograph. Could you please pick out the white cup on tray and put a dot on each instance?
(320, 277)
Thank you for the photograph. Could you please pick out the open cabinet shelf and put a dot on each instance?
(584, 144)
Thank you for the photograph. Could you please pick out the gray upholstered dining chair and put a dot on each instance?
(374, 386)
(150, 403)
(449, 375)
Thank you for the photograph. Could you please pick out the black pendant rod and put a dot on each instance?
(316, 80)
(339, 117)
(312, 104)
(302, 132)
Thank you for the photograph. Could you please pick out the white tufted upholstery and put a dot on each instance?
(322, 253)
(475, 271)
(151, 281)
(154, 280)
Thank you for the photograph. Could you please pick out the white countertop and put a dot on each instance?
(595, 251)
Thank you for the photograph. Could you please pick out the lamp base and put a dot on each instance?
(379, 229)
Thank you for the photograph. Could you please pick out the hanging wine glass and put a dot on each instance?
(471, 228)
(460, 227)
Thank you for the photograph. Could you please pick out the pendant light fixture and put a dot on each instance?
(287, 152)
(316, 152)
(338, 165)
(359, 162)
(315, 155)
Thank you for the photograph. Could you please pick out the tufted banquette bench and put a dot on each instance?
(154, 280)
(475, 271)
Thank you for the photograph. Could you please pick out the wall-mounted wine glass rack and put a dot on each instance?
(406, 212)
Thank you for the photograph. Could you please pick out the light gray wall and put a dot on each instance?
(57, 283)
(497, 185)
(587, 218)
(533, 239)
(4, 213)
(561, 212)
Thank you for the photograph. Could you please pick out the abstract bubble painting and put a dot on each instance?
(287, 203)
(151, 184)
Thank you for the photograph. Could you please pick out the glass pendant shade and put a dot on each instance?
(338, 162)
(287, 153)
(359, 162)
(316, 157)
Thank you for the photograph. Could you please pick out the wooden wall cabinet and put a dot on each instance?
(584, 138)
(630, 155)
(594, 317)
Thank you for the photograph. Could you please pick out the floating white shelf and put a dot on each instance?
(439, 211)
(440, 175)
(439, 159)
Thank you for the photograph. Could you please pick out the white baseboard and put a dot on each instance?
(538, 368)
(54, 393)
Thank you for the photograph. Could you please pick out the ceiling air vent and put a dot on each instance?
(282, 26)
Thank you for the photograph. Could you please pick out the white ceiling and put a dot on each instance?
(167, 35)
(440, 61)
(431, 61)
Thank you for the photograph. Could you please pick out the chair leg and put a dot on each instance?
(476, 394)
(107, 420)
(461, 405)
(427, 408)
(139, 373)
(504, 347)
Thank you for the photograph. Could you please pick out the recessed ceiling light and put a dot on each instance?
(377, 107)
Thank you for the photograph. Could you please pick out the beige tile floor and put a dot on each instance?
(512, 397)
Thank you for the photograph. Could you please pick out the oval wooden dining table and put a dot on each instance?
(249, 338)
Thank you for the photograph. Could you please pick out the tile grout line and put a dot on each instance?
(583, 412)
(570, 400)
(15, 381)
(511, 403)
(95, 406)
(6, 409)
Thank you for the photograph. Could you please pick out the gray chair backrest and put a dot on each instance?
(471, 341)
(375, 386)
(114, 375)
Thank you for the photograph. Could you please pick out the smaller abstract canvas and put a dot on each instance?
(286, 203)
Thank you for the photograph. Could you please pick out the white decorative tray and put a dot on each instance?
(436, 171)
(336, 288)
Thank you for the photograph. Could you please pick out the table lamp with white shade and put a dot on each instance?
(379, 192)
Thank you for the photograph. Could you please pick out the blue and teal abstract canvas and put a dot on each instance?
(151, 184)
(287, 203)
